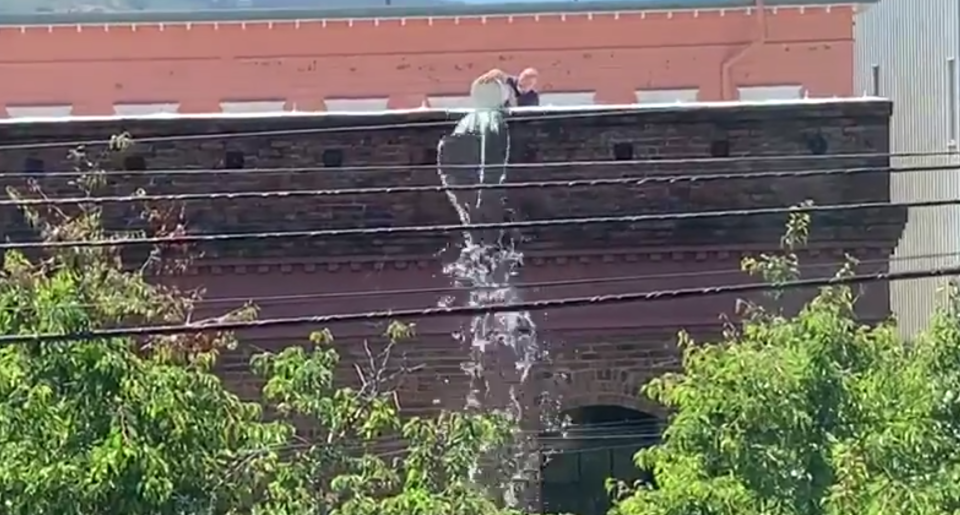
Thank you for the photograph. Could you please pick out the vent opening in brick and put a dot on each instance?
(817, 145)
(720, 148)
(332, 158)
(234, 160)
(623, 151)
(427, 157)
(34, 165)
(135, 163)
(523, 152)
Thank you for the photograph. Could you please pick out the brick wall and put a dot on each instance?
(598, 367)
(847, 127)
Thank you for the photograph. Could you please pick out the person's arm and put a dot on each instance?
(493, 75)
(512, 97)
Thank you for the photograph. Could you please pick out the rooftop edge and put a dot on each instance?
(428, 114)
(496, 9)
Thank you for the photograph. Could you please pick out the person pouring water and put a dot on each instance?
(521, 90)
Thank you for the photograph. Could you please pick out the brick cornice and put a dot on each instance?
(312, 265)
(278, 19)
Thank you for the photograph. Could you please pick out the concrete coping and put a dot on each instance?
(393, 119)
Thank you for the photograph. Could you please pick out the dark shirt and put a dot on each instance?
(530, 98)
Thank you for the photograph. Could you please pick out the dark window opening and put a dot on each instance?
(720, 148)
(817, 145)
(599, 443)
(623, 151)
(234, 160)
(135, 163)
(34, 165)
(332, 158)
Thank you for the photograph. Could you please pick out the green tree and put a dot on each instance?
(812, 413)
(143, 426)
(434, 472)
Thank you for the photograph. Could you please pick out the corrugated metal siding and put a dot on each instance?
(911, 47)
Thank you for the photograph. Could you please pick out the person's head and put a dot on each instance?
(527, 80)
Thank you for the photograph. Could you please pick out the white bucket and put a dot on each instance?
(489, 95)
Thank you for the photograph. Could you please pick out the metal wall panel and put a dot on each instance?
(906, 50)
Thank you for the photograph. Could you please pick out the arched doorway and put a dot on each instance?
(598, 443)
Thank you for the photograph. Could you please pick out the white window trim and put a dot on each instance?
(253, 106)
(568, 98)
(357, 104)
(667, 96)
(146, 108)
(39, 111)
(772, 92)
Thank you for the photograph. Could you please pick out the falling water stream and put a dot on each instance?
(503, 346)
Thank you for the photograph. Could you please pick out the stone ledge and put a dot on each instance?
(311, 265)
(13, 130)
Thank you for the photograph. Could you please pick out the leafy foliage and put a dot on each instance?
(364, 475)
(808, 414)
(145, 427)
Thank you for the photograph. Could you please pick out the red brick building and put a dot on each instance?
(600, 356)
(102, 63)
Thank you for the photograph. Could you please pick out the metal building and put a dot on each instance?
(907, 51)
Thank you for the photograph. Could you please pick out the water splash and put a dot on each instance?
(503, 346)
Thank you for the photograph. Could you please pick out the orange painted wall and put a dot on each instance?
(199, 65)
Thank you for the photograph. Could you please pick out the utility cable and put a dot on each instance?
(641, 440)
(448, 228)
(389, 190)
(297, 298)
(531, 306)
(432, 167)
(592, 281)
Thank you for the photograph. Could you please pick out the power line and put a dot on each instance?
(593, 281)
(569, 302)
(388, 190)
(432, 167)
(640, 440)
(552, 284)
(446, 228)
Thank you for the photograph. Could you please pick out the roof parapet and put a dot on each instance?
(367, 118)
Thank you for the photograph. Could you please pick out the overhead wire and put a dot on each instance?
(457, 227)
(450, 228)
(640, 440)
(432, 167)
(526, 306)
(454, 311)
(390, 190)
(441, 290)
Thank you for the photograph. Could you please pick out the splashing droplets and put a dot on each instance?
(476, 153)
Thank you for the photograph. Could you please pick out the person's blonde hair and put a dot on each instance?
(528, 71)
